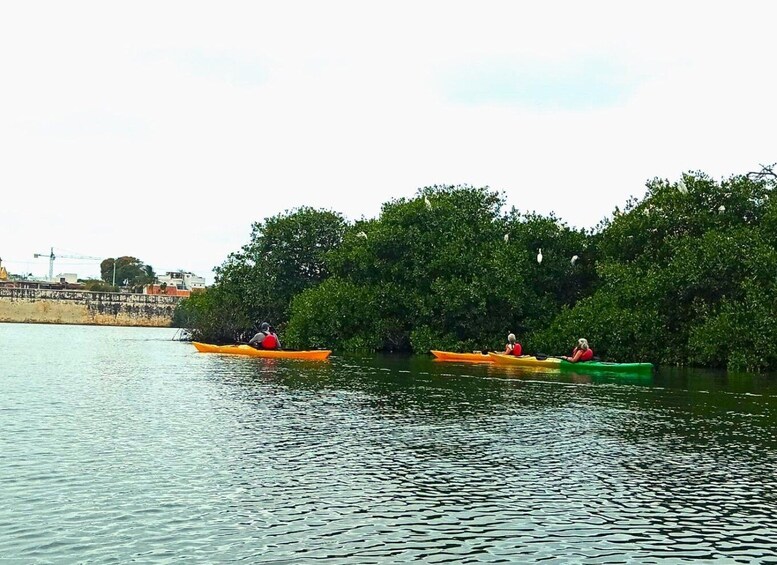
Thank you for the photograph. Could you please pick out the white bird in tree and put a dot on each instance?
(682, 187)
(574, 259)
(428, 204)
(721, 209)
(361, 234)
(507, 237)
(539, 256)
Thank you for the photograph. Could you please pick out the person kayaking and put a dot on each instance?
(580, 353)
(265, 338)
(512, 347)
(269, 344)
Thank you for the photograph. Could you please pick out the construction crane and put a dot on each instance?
(51, 257)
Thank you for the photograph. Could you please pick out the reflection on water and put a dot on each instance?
(119, 444)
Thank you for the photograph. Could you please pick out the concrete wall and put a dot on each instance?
(83, 307)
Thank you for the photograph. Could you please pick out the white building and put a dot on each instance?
(69, 278)
(182, 280)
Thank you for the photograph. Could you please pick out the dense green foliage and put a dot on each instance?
(285, 256)
(685, 275)
(446, 269)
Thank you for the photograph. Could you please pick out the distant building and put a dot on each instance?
(166, 290)
(182, 280)
(69, 278)
(176, 283)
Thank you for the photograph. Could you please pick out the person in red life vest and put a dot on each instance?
(265, 338)
(580, 353)
(512, 347)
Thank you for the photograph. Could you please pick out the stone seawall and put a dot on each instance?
(48, 306)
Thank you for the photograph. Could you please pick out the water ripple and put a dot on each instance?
(138, 448)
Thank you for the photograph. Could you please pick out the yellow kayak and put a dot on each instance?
(476, 357)
(525, 361)
(312, 355)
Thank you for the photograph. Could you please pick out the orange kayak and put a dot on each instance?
(467, 357)
(312, 355)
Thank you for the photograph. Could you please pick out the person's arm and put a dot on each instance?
(576, 353)
(256, 341)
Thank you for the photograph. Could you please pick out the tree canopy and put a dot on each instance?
(683, 275)
(129, 272)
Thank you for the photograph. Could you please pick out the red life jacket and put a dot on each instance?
(270, 342)
(587, 355)
(516, 349)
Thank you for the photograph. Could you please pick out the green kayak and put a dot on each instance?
(605, 366)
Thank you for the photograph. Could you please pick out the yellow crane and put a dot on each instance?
(51, 257)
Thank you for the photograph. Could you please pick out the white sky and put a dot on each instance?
(162, 130)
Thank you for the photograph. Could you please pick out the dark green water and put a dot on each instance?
(119, 445)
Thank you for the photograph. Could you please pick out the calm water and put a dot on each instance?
(119, 444)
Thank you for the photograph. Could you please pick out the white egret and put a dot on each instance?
(539, 256)
(428, 204)
(721, 209)
(507, 237)
(361, 234)
(574, 259)
(681, 186)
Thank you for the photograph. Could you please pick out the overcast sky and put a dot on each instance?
(162, 130)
